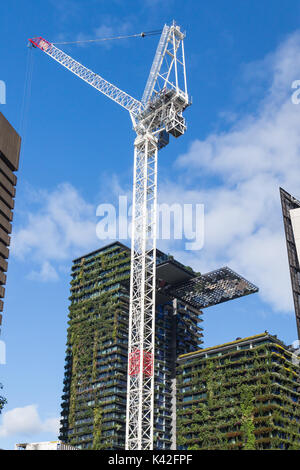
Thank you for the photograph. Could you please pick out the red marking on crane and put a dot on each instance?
(41, 43)
(148, 364)
(134, 363)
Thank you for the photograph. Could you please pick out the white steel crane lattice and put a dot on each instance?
(157, 115)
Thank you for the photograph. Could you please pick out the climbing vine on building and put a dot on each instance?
(3, 400)
(243, 400)
(97, 327)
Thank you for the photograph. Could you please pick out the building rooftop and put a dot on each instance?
(175, 280)
(103, 248)
(239, 341)
(10, 144)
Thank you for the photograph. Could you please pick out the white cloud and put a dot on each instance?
(110, 27)
(259, 153)
(46, 273)
(64, 224)
(236, 174)
(60, 226)
(27, 422)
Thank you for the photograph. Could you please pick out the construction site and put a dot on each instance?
(95, 384)
(138, 375)
(134, 376)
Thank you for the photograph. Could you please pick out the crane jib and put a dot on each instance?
(108, 89)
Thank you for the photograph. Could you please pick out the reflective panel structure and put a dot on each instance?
(213, 288)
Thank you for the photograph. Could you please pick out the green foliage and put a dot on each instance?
(247, 409)
(3, 400)
(94, 320)
(98, 428)
(240, 400)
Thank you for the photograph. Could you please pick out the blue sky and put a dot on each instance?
(242, 143)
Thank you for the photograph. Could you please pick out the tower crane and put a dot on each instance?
(155, 117)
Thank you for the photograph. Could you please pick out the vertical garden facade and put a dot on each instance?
(95, 380)
(240, 395)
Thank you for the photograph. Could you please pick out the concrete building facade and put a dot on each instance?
(10, 143)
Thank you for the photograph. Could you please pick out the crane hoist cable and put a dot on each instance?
(138, 35)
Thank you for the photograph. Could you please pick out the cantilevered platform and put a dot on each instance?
(177, 281)
(212, 288)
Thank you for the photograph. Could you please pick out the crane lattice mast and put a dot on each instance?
(154, 118)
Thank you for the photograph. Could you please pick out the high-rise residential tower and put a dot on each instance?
(239, 395)
(10, 143)
(95, 382)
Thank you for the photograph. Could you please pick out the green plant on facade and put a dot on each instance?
(97, 443)
(247, 410)
(240, 400)
(96, 326)
(3, 400)
(94, 399)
